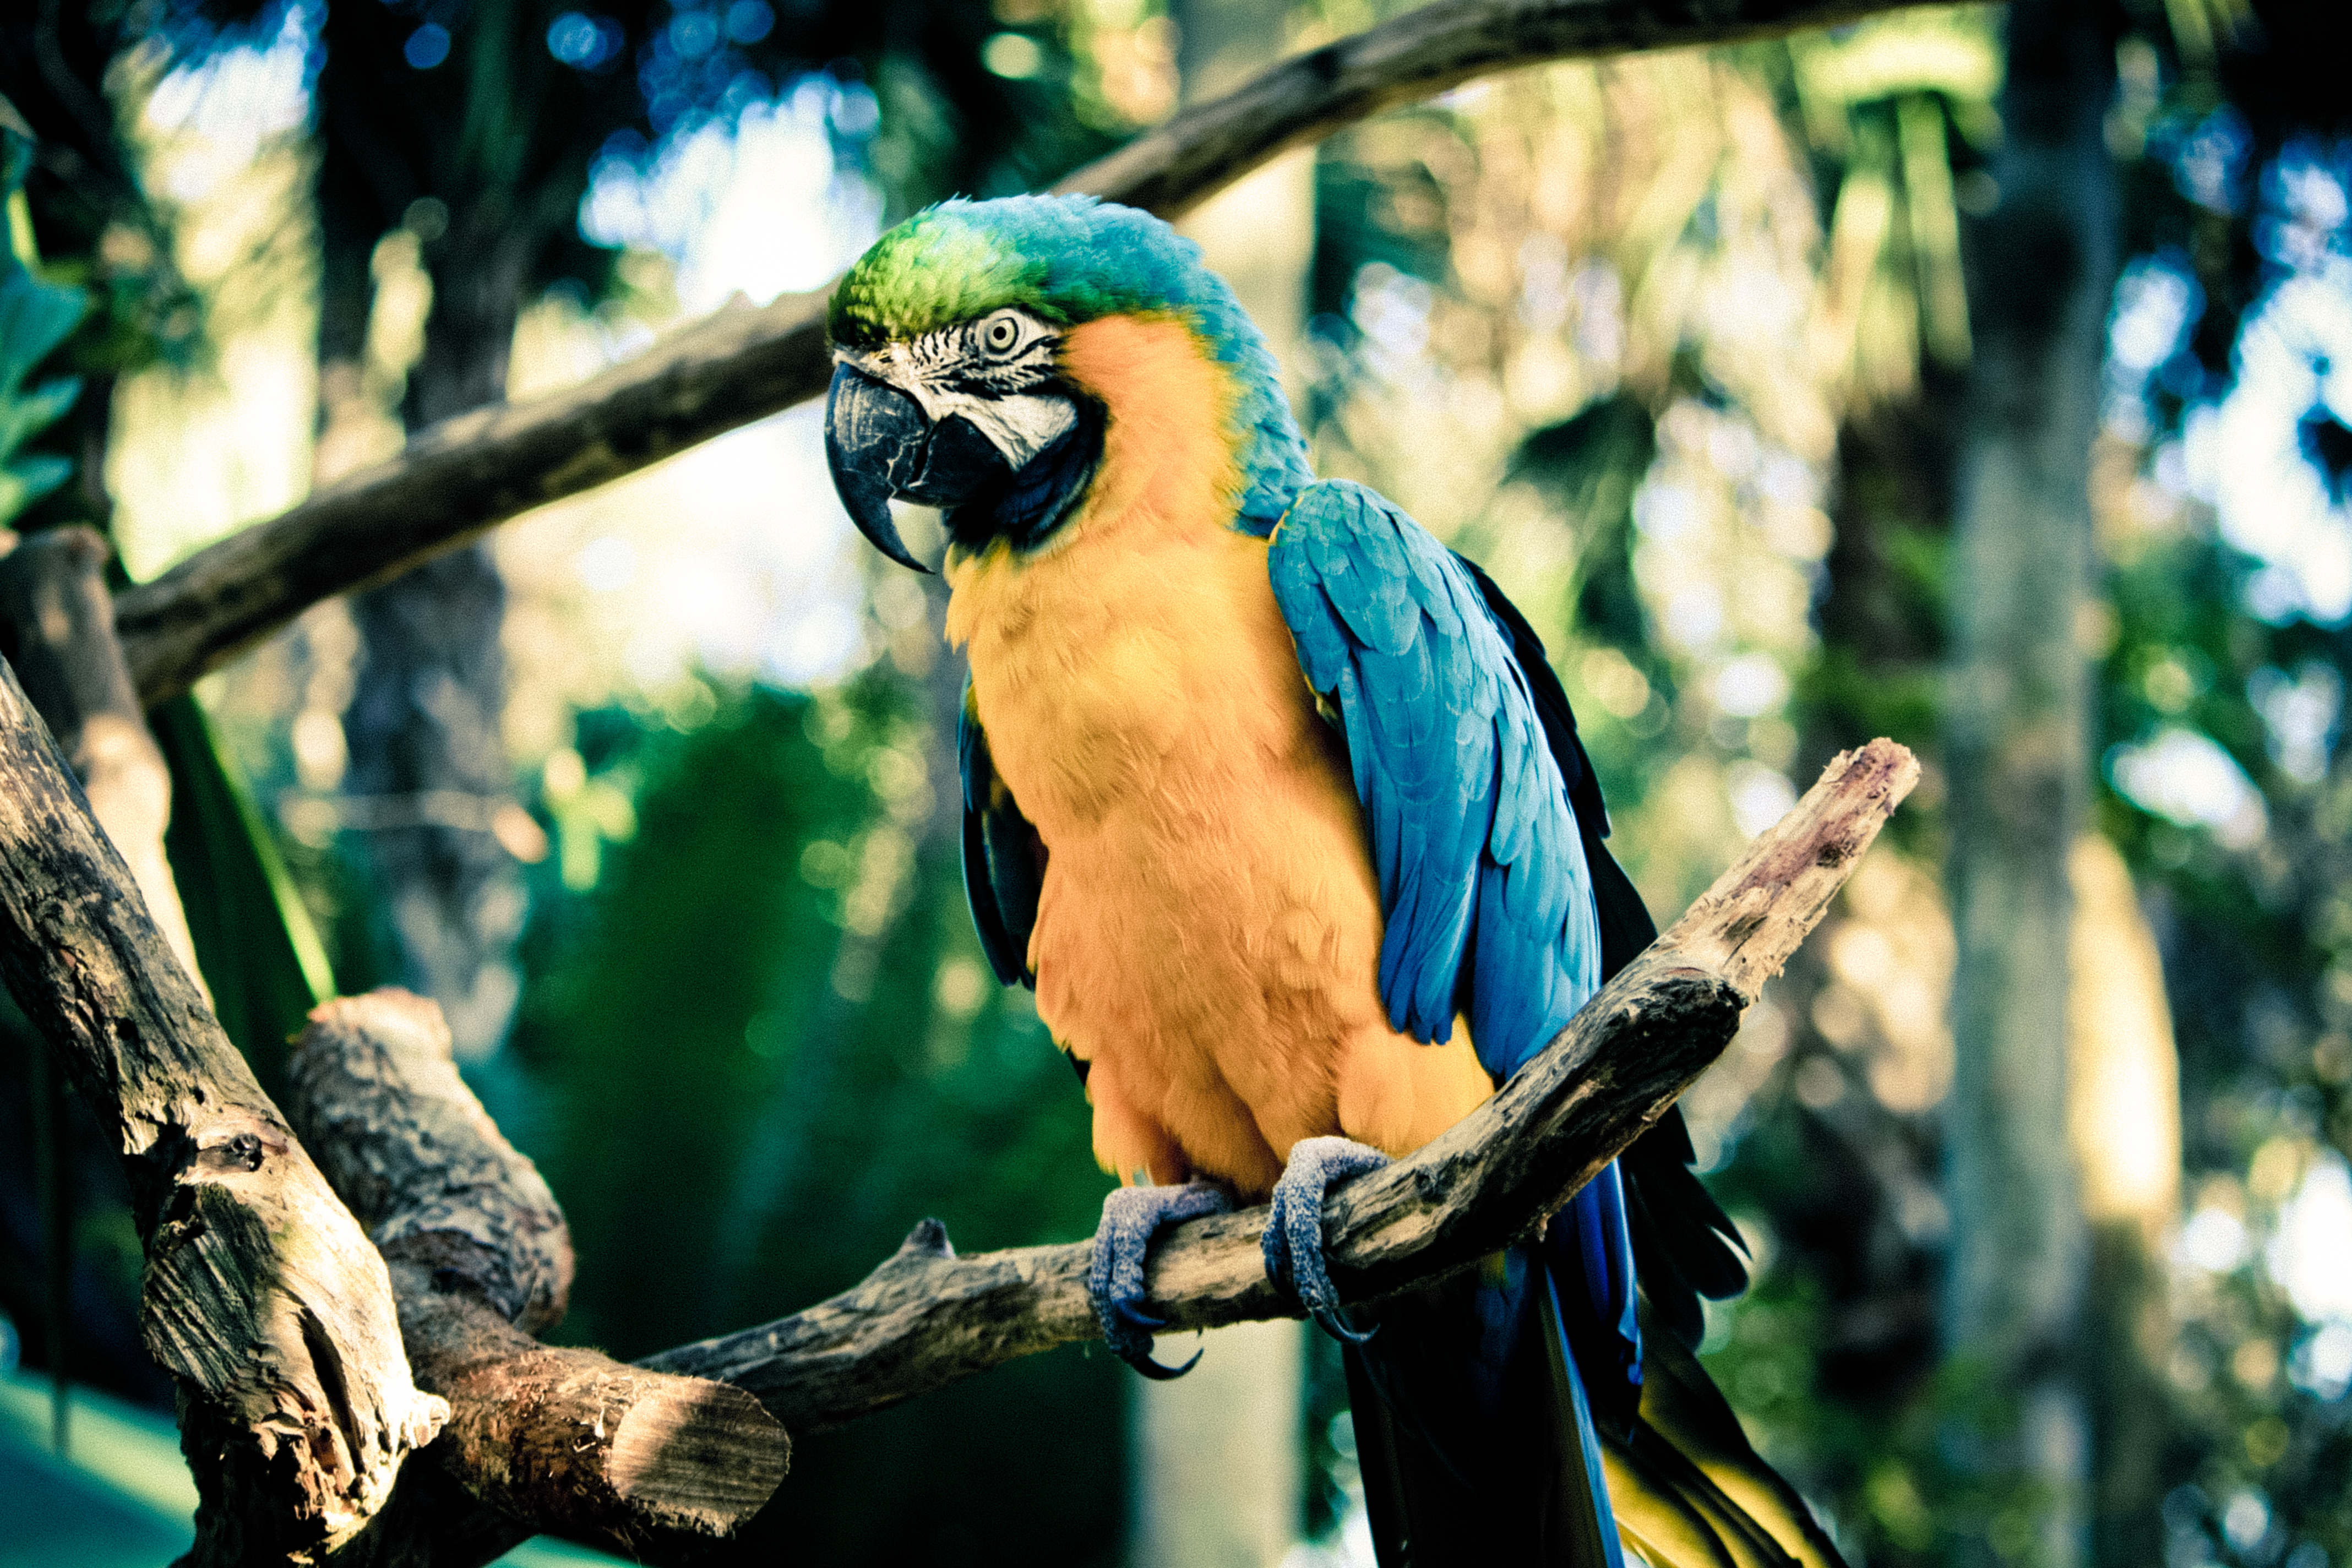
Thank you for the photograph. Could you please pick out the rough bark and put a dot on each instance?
(926, 1317)
(568, 1441)
(56, 627)
(562, 1440)
(262, 1297)
(2018, 722)
(472, 473)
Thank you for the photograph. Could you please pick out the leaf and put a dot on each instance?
(29, 480)
(21, 417)
(255, 940)
(34, 318)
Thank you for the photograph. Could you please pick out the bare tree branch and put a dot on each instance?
(1302, 99)
(468, 474)
(478, 1246)
(926, 1317)
(261, 1297)
(56, 627)
(563, 1440)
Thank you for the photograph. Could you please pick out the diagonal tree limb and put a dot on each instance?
(74, 949)
(261, 1297)
(468, 474)
(926, 1317)
(56, 627)
(1176, 166)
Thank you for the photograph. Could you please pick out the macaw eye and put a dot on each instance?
(1001, 333)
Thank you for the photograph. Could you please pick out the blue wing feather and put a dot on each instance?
(1487, 892)
(1473, 838)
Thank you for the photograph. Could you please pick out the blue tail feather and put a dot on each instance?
(1587, 1436)
(1590, 1246)
(1481, 1403)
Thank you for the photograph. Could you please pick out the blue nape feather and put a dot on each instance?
(1116, 252)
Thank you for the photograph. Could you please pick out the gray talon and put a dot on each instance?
(1293, 1232)
(1131, 1216)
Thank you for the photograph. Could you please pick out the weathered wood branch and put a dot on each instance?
(468, 474)
(56, 627)
(262, 1297)
(651, 1460)
(563, 1440)
(1427, 50)
(926, 1317)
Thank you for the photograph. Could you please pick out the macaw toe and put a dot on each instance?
(1129, 1313)
(1131, 1216)
(1293, 1232)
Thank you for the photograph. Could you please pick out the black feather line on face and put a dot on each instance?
(1029, 369)
(1042, 494)
(957, 359)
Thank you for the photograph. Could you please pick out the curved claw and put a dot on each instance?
(1131, 1216)
(1157, 1372)
(1335, 1323)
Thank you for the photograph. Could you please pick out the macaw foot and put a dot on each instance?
(1293, 1233)
(1131, 1216)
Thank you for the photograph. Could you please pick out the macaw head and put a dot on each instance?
(950, 386)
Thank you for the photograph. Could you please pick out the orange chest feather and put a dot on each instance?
(1142, 649)
(1208, 932)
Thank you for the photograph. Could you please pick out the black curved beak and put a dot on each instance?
(879, 445)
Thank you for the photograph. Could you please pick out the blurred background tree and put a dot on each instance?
(1696, 352)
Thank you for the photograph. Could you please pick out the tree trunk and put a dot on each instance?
(261, 1297)
(2019, 715)
(56, 627)
(428, 762)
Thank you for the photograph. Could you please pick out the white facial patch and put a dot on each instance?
(1019, 425)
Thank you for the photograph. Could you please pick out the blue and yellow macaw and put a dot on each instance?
(1278, 805)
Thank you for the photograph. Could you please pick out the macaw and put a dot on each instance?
(1278, 807)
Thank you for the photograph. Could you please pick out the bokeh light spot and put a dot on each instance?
(427, 47)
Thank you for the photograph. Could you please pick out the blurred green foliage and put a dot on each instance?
(1833, 1357)
(36, 314)
(260, 952)
(734, 1137)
